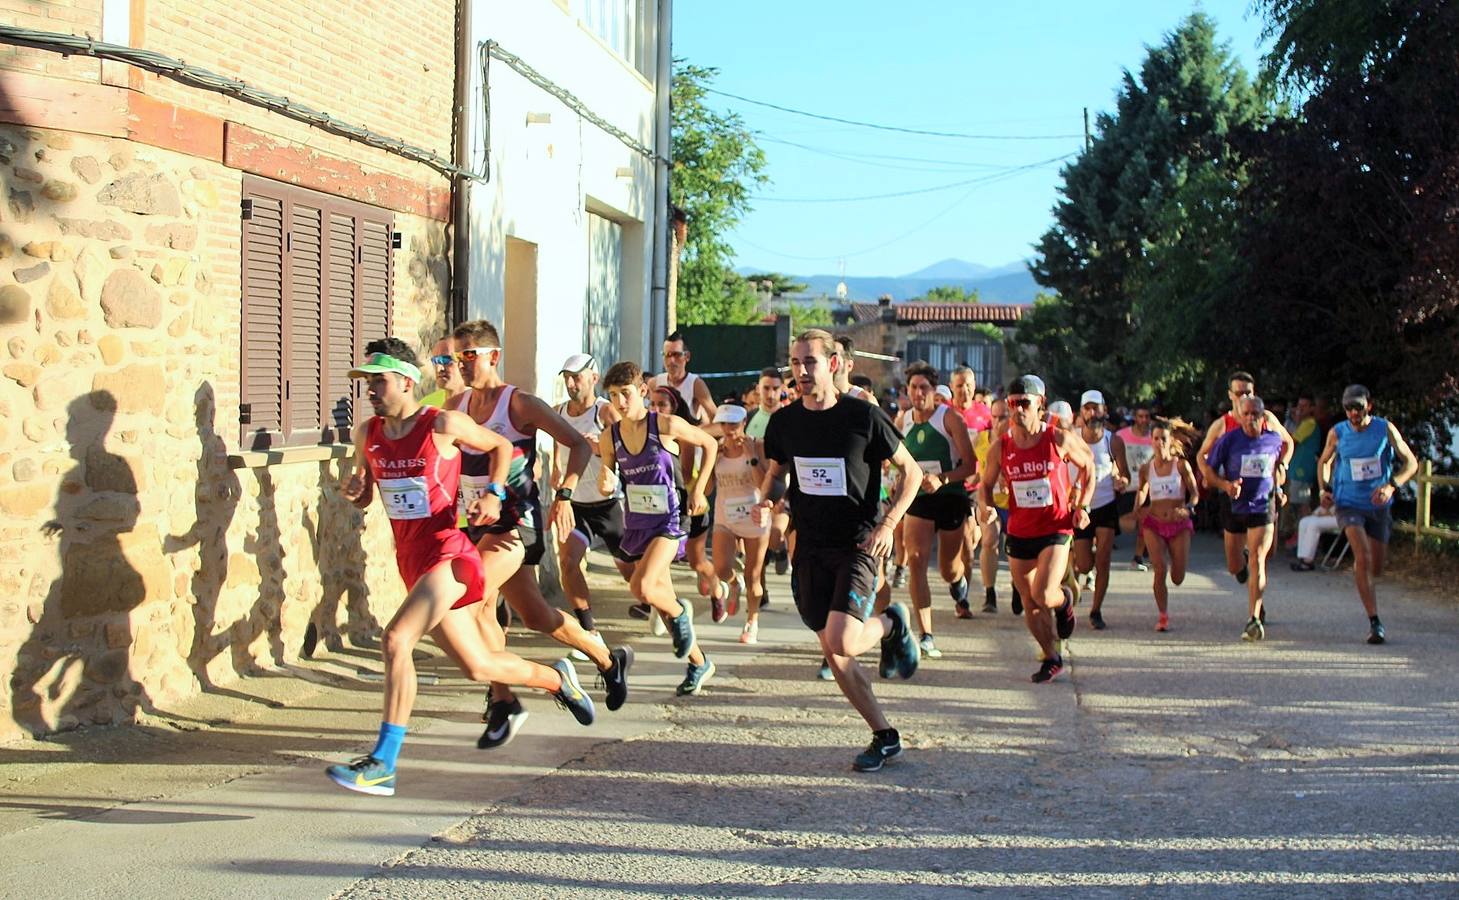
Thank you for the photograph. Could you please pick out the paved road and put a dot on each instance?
(1189, 761)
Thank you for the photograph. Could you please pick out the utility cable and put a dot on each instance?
(927, 190)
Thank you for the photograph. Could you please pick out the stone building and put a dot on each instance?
(945, 335)
(182, 276)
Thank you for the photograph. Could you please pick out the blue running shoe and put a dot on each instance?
(571, 695)
(681, 629)
(825, 674)
(905, 653)
(882, 748)
(367, 775)
(695, 677)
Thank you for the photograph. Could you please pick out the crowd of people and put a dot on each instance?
(808, 473)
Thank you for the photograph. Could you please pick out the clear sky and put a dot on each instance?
(968, 66)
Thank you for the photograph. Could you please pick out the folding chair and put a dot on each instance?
(1339, 545)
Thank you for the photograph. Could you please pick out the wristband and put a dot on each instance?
(496, 490)
(563, 494)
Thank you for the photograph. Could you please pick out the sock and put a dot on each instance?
(387, 748)
(887, 736)
(1372, 620)
(991, 592)
(585, 618)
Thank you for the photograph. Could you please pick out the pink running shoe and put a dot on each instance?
(751, 634)
(1164, 623)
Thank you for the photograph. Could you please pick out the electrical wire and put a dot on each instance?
(879, 159)
(927, 190)
(900, 130)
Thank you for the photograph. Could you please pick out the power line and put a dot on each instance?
(927, 190)
(873, 159)
(900, 130)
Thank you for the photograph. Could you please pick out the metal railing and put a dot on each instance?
(1424, 483)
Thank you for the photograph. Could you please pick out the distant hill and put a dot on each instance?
(1010, 283)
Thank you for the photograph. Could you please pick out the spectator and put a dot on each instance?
(1310, 529)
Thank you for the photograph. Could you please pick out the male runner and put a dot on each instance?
(938, 440)
(1243, 466)
(1034, 462)
(595, 513)
(1138, 450)
(984, 446)
(833, 449)
(411, 454)
(771, 395)
(1094, 544)
(512, 546)
(1356, 472)
(449, 383)
(978, 418)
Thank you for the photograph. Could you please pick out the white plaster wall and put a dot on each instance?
(544, 177)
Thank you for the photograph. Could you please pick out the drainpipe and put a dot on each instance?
(456, 312)
(659, 295)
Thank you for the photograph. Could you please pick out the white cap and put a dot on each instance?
(729, 414)
(944, 392)
(1092, 397)
(578, 362)
(1060, 409)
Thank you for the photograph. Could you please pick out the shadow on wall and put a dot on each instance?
(341, 560)
(75, 668)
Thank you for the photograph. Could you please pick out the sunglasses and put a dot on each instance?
(1021, 403)
(443, 361)
(674, 354)
(473, 352)
(1355, 407)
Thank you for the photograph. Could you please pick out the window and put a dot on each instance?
(946, 352)
(618, 23)
(605, 287)
(316, 288)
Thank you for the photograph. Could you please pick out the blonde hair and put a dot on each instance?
(1185, 433)
(828, 343)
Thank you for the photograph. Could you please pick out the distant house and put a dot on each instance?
(946, 335)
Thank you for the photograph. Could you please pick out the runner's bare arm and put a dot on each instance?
(987, 479)
(1213, 434)
(609, 461)
(962, 446)
(1192, 490)
(1122, 468)
(1324, 463)
(535, 414)
(907, 484)
(1073, 449)
(461, 428)
(761, 513)
(1401, 448)
(693, 436)
(360, 489)
(1289, 446)
(703, 398)
(1143, 490)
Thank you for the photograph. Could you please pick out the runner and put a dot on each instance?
(738, 471)
(1136, 439)
(1169, 485)
(771, 397)
(993, 528)
(595, 513)
(449, 383)
(1041, 518)
(833, 449)
(412, 454)
(655, 530)
(938, 440)
(669, 402)
(1094, 544)
(1240, 385)
(1356, 472)
(978, 419)
(1243, 465)
(512, 546)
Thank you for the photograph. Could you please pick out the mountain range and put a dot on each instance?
(1008, 283)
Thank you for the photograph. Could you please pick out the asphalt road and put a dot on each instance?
(1189, 762)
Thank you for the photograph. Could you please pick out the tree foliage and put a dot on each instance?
(950, 293)
(777, 284)
(716, 167)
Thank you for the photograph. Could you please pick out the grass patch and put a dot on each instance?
(1427, 563)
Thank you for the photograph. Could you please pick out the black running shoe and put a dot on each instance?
(503, 720)
(882, 748)
(1017, 606)
(640, 611)
(1096, 620)
(906, 654)
(1375, 631)
(1049, 670)
(782, 562)
(959, 592)
(990, 604)
(615, 680)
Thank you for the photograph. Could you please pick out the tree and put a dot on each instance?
(951, 293)
(716, 166)
(1173, 120)
(777, 284)
(816, 314)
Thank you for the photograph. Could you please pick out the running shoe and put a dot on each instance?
(751, 633)
(640, 611)
(990, 603)
(1049, 670)
(1163, 623)
(681, 629)
(1245, 567)
(1303, 565)
(717, 611)
(1064, 617)
(579, 655)
(782, 561)
(905, 652)
(825, 674)
(886, 664)
(958, 590)
(1376, 634)
(928, 648)
(1096, 620)
(366, 775)
(736, 588)
(1138, 565)
(1017, 606)
(899, 576)
(1254, 630)
(615, 680)
(764, 600)
(881, 749)
(695, 677)
(503, 718)
(657, 624)
(571, 695)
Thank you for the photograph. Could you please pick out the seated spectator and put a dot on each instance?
(1310, 530)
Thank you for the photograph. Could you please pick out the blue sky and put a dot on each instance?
(1008, 70)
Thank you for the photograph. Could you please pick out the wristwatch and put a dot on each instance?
(564, 493)
(497, 491)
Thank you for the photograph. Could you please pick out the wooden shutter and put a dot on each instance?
(303, 388)
(374, 279)
(342, 347)
(263, 322)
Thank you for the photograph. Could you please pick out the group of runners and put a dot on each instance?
(827, 486)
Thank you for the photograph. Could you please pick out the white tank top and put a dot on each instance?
(590, 426)
(686, 390)
(1104, 468)
(1167, 487)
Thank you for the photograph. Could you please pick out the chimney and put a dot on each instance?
(884, 300)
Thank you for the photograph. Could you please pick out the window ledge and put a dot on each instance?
(259, 459)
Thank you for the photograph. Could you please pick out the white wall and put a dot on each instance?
(545, 177)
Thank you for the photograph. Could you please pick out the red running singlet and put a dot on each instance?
(1038, 488)
(418, 489)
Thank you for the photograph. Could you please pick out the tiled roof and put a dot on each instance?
(950, 313)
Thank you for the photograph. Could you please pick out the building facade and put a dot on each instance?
(945, 335)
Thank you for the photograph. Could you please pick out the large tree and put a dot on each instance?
(716, 167)
(1123, 199)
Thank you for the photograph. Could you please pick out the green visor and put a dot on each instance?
(384, 362)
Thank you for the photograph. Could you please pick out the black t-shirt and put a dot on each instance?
(838, 452)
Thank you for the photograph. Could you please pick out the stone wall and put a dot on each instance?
(136, 566)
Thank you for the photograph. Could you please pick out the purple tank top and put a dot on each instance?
(650, 481)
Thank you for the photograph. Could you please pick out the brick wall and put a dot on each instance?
(66, 16)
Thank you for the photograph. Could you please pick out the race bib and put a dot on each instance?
(472, 488)
(1257, 465)
(1369, 468)
(930, 466)
(1138, 454)
(405, 498)
(1033, 493)
(1165, 489)
(648, 499)
(737, 510)
(821, 476)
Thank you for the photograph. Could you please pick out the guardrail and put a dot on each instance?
(1424, 483)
